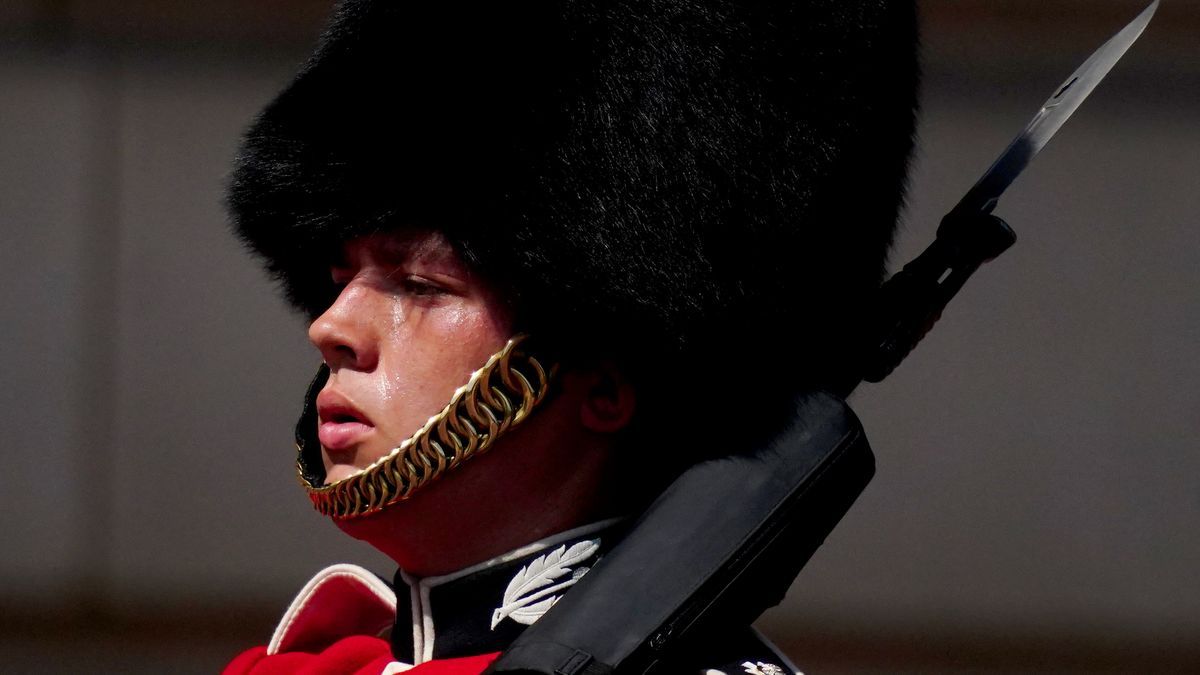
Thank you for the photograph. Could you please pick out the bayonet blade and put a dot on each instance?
(1054, 113)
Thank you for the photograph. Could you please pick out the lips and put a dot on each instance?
(340, 425)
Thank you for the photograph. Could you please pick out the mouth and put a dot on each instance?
(340, 425)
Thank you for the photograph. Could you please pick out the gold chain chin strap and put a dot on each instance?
(499, 396)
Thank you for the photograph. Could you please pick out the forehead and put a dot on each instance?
(403, 247)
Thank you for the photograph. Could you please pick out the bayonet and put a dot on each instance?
(1055, 112)
(914, 298)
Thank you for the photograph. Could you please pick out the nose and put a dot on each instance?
(345, 334)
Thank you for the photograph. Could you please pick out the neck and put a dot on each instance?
(523, 490)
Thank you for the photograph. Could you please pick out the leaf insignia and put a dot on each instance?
(531, 593)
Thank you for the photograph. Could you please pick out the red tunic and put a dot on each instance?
(355, 655)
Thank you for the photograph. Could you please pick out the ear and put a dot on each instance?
(608, 399)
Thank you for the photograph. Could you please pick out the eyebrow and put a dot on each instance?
(430, 247)
(416, 247)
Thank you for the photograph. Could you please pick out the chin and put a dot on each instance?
(342, 464)
(340, 472)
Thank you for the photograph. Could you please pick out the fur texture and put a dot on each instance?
(705, 190)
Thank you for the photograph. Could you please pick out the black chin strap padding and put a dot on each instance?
(312, 469)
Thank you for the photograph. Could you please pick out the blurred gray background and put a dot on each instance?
(1037, 503)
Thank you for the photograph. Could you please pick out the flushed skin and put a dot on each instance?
(409, 325)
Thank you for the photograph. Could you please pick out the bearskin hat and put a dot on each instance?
(703, 189)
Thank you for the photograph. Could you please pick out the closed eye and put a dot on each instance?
(421, 287)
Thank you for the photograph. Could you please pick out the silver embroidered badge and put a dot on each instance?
(760, 668)
(532, 592)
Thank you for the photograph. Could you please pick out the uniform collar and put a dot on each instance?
(483, 608)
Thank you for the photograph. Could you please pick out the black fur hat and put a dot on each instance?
(706, 189)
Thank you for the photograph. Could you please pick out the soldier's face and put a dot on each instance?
(409, 326)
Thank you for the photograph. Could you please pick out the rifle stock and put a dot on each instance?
(718, 547)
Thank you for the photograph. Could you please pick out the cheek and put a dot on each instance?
(428, 353)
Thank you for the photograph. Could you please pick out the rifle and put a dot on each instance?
(747, 524)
